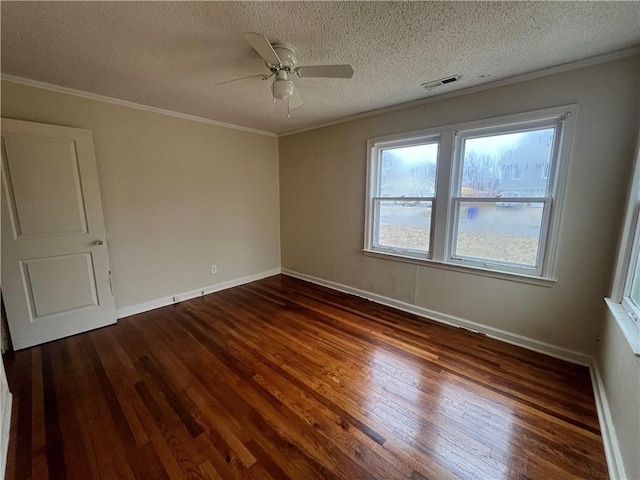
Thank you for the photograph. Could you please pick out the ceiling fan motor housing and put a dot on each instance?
(287, 56)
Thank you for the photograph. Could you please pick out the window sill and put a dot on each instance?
(629, 329)
(512, 277)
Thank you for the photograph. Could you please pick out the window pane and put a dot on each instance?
(403, 225)
(408, 171)
(495, 233)
(507, 165)
(634, 294)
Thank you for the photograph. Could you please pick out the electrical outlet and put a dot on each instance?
(214, 269)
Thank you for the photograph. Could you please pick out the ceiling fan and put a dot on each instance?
(282, 62)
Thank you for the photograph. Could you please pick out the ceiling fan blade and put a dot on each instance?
(295, 100)
(261, 44)
(243, 79)
(325, 71)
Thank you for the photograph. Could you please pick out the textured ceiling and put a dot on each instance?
(170, 54)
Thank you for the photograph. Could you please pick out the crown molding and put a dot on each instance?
(125, 103)
(565, 67)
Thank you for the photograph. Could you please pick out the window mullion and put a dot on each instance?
(439, 222)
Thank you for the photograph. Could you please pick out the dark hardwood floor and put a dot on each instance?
(283, 379)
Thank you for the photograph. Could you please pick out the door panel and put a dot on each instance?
(59, 284)
(55, 275)
(44, 185)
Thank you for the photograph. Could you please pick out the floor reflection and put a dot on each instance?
(478, 434)
(441, 416)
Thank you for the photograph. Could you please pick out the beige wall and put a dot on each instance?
(322, 191)
(177, 195)
(620, 374)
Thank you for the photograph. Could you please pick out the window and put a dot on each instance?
(483, 195)
(625, 299)
(631, 297)
(404, 195)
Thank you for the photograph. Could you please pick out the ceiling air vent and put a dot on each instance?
(441, 81)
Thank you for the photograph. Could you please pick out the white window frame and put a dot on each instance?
(547, 201)
(624, 310)
(632, 309)
(446, 201)
(376, 148)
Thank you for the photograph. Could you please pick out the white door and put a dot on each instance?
(55, 264)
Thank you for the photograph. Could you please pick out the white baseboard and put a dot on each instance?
(508, 337)
(180, 297)
(609, 437)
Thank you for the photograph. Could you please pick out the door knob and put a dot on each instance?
(98, 242)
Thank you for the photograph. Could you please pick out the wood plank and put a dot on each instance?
(53, 432)
(40, 469)
(75, 453)
(24, 408)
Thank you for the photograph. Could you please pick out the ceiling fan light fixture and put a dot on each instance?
(282, 87)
